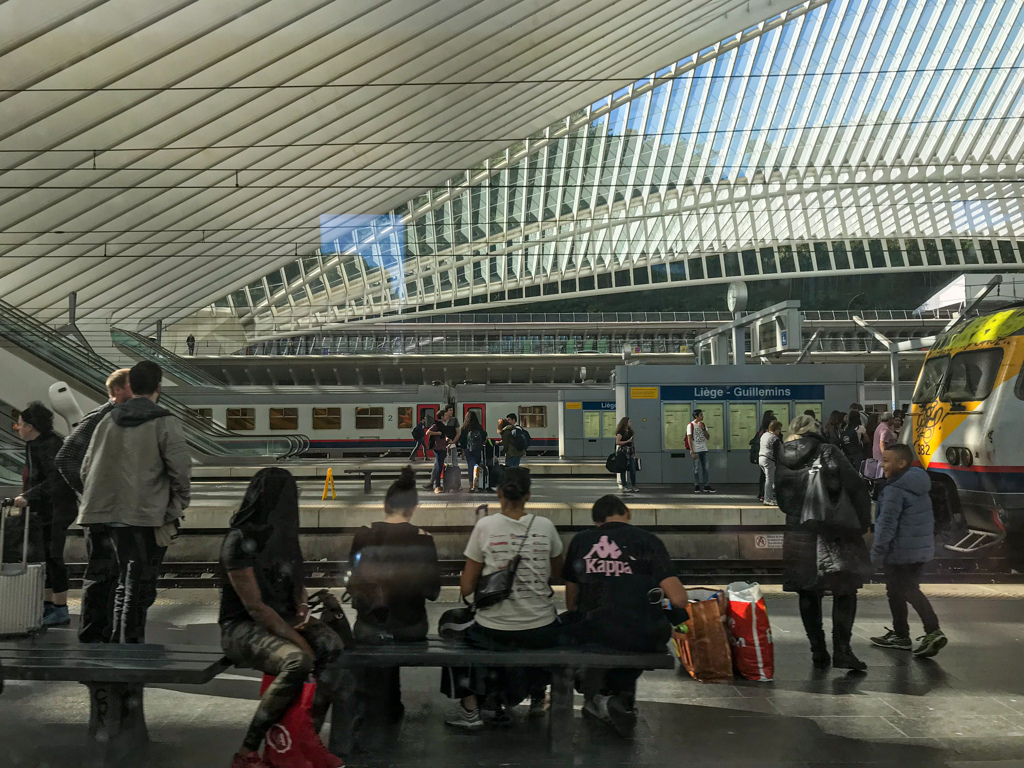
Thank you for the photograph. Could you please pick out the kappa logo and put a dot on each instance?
(604, 558)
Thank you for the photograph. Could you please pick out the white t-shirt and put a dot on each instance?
(494, 542)
(698, 435)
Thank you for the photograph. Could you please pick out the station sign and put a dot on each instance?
(599, 406)
(744, 392)
(643, 393)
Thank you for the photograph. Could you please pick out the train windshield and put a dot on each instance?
(972, 375)
(932, 375)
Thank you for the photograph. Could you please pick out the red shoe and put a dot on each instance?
(252, 760)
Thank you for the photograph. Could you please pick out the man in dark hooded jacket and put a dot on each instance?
(904, 543)
(136, 476)
(829, 560)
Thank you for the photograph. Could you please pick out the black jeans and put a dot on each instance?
(138, 567)
(507, 686)
(902, 586)
(844, 612)
(99, 584)
(55, 532)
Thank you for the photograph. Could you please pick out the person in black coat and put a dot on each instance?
(52, 508)
(827, 561)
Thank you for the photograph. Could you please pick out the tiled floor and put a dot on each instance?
(963, 707)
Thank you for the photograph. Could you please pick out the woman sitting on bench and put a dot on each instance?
(264, 618)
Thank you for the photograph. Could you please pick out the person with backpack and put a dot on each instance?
(825, 558)
(514, 440)
(755, 449)
(419, 434)
(475, 436)
(854, 436)
(768, 458)
(904, 543)
(833, 429)
(438, 441)
(697, 442)
(394, 572)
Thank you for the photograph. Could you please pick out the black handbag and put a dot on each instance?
(495, 587)
(617, 463)
(822, 509)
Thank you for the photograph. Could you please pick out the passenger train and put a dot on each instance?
(364, 421)
(967, 409)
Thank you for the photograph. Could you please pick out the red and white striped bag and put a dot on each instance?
(750, 633)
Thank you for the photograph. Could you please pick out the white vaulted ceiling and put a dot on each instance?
(156, 155)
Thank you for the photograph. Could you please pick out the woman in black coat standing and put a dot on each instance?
(830, 560)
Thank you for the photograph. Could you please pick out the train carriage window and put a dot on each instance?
(932, 374)
(284, 419)
(327, 418)
(370, 418)
(203, 414)
(972, 375)
(405, 417)
(533, 416)
(241, 419)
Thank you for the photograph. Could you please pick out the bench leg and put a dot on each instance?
(117, 720)
(366, 482)
(561, 717)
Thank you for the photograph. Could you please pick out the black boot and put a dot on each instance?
(819, 654)
(843, 658)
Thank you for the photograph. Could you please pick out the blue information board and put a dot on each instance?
(688, 394)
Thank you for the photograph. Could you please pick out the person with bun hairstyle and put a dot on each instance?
(394, 573)
(525, 619)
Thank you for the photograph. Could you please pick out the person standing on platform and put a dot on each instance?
(767, 457)
(904, 543)
(419, 434)
(830, 560)
(697, 437)
(191, 344)
(137, 479)
(854, 437)
(476, 438)
(624, 445)
(833, 430)
(52, 506)
(437, 441)
(755, 449)
(513, 453)
(100, 578)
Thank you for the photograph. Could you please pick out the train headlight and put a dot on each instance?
(966, 457)
(953, 457)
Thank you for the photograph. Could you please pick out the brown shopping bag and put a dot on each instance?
(704, 649)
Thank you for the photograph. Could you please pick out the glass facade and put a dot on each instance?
(838, 136)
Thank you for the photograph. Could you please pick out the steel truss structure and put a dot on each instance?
(841, 136)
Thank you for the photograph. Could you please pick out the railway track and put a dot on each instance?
(693, 572)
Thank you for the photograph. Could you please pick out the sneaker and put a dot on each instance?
(498, 716)
(597, 708)
(252, 760)
(930, 644)
(709, 489)
(622, 716)
(439, 490)
(58, 616)
(697, 489)
(891, 640)
(465, 719)
(538, 707)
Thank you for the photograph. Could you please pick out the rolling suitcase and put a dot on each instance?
(21, 585)
(451, 478)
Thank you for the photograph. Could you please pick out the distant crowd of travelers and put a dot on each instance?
(124, 475)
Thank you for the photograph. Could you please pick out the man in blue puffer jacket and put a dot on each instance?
(904, 544)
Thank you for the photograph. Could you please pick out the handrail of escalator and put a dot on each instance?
(177, 365)
(91, 369)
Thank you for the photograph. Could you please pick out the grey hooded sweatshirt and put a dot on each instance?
(137, 470)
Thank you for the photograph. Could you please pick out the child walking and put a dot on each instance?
(904, 544)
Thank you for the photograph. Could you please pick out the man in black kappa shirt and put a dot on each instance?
(615, 578)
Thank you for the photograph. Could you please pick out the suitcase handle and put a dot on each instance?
(5, 506)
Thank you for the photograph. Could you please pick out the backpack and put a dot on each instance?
(687, 442)
(520, 438)
(755, 448)
(475, 440)
(418, 432)
(370, 593)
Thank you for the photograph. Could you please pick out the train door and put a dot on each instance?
(428, 413)
(481, 413)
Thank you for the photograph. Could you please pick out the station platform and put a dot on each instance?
(317, 468)
(963, 709)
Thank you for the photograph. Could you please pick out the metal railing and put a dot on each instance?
(91, 370)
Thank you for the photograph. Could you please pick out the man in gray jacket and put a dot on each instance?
(136, 475)
(904, 543)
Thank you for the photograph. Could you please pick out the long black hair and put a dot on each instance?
(766, 419)
(473, 422)
(269, 514)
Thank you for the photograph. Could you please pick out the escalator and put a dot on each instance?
(91, 370)
(12, 458)
(142, 347)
